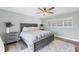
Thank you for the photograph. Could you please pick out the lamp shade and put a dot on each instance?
(8, 24)
(41, 24)
(41, 27)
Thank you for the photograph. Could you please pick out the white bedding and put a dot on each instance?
(1, 46)
(34, 36)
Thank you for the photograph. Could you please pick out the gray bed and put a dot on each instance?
(40, 43)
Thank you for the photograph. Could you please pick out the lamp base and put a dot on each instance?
(7, 30)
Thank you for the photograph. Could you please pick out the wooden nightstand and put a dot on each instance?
(11, 37)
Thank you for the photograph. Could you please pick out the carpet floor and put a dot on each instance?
(54, 46)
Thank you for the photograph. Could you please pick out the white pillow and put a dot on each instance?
(26, 29)
(30, 29)
(35, 28)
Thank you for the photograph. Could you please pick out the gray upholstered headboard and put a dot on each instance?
(27, 25)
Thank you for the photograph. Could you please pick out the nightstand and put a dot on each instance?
(11, 37)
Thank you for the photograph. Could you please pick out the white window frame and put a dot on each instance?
(50, 22)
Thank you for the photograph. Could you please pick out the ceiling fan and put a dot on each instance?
(46, 10)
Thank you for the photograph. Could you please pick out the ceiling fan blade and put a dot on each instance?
(40, 9)
(50, 12)
(51, 8)
(40, 13)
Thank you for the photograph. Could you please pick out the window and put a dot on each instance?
(61, 23)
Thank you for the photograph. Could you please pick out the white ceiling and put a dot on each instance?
(31, 11)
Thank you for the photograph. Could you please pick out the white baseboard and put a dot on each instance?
(66, 38)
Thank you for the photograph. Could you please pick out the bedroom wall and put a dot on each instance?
(16, 19)
(65, 32)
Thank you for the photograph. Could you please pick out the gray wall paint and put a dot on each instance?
(65, 32)
(16, 19)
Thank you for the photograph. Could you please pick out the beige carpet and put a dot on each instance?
(54, 46)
